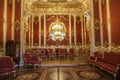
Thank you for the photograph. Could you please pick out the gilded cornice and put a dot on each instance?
(71, 7)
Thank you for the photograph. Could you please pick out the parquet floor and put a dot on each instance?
(62, 70)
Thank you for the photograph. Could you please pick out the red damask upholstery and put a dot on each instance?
(33, 60)
(62, 52)
(110, 62)
(51, 53)
(71, 52)
(43, 53)
(92, 59)
(6, 64)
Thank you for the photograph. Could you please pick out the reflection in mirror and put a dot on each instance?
(57, 31)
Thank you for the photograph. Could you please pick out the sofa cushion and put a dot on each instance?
(107, 66)
(6, 69)
(91, 59)
(111, 58)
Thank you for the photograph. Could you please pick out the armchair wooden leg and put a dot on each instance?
(114, 76)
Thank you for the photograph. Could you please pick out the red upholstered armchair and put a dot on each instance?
(62, 52)
(71, 52)
(7, 66)
(51, 53)
(31, 60)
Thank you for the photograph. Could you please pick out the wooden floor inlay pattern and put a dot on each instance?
(68, 73)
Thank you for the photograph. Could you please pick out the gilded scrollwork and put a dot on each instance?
(41, 6)
(97, 24)
(17, 25)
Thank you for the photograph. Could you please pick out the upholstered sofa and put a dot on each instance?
(110, 62)
(7, 66)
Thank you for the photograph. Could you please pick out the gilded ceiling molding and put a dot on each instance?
(42, 7)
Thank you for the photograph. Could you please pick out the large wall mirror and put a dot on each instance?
(57, 31)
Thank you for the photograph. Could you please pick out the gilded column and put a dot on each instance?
(4, 24)
(13, 18)
(101, 26)
(92, 29)
(75, 29)
(70, 29)
(32, 30)
(21, 34)
(109, 24)
(29, 29)
(44, 30)
(39, 30)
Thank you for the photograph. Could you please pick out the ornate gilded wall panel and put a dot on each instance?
(17, 20)
(96, 23)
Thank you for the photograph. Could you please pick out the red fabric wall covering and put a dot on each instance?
(78, 31)
(104, 18)
(36, 30)
(87, 36)
(96, 17)
(72, 30)
(27, 37)
(115, 21)
(17, 17)
(9, 22)
(30, 30)
(27, 32)
(42, 30)
(1, 20)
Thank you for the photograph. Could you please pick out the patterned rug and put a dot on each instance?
(61, 73)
